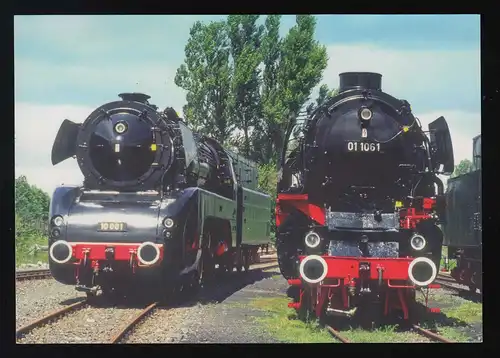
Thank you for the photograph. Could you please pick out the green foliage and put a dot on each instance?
(299, 66)
(245, 37)
(464, 167)
(239, 75)
(31, 215)
(324, 95)
(268, 180)
(206, 76)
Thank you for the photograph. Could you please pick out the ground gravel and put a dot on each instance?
(214, 318)
(38, 297)
(163, 326)
(87, 325)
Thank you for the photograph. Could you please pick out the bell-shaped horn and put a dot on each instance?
(313, 269)
(422, 271)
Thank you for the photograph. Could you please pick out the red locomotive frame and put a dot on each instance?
(343, 272)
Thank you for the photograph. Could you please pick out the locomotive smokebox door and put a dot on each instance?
(441, 146)
(64, 144)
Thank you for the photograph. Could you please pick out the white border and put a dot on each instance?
(411, 242)
(312, 233)
(61, 242)
(309, 258)
(153, 261)
(416, 261)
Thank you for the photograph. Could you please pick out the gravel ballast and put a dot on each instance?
(87, 325)
(35, 298)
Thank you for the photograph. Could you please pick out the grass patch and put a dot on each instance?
(282, 323)
(452, 334)
(27, 258)
(25, 253)
(469, 312)
(385, 334)
(452, 263)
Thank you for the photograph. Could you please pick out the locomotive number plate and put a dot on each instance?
(112, 226)
(353, 146)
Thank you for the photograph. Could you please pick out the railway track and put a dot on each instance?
(59, 315)
(424, 332)
(133, 322)
(337, 334)
(32, 274)
(431, 335)
(50, 317)
(449, 283)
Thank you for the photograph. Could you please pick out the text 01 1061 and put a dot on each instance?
(363, 147)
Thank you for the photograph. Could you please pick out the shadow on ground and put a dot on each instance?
(219, 289)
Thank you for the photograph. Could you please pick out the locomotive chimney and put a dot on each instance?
(360, 80)
(135, 97)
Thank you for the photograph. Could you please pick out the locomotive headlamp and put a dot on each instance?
(312, 240)
(365, 114)
(417, 242)
(168, 223)
(57, 220)
(120, 127)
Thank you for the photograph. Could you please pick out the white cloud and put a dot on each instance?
(35, 129)
(432, 79)
(153, 78)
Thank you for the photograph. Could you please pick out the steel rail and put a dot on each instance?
(49, 317)
(132, 323)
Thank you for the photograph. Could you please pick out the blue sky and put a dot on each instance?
(67, 65)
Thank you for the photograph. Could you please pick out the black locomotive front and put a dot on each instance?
(138, 165)
(364, 150)
(370, 175)
(360, 224)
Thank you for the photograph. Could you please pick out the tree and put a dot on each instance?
(206, 76)
(31, 203)
(299, 67)
(464, 167)
(324, 95)
(245, 38)
(31, 213)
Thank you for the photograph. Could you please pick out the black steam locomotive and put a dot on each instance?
(159, 203)
(463, 224)
(359, 200)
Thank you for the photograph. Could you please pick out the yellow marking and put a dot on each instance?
(406, 129)
(153, 147)
(399, 204)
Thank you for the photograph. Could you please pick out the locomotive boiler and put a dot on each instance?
(159, 203)
(463, 223)
(359, 201)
